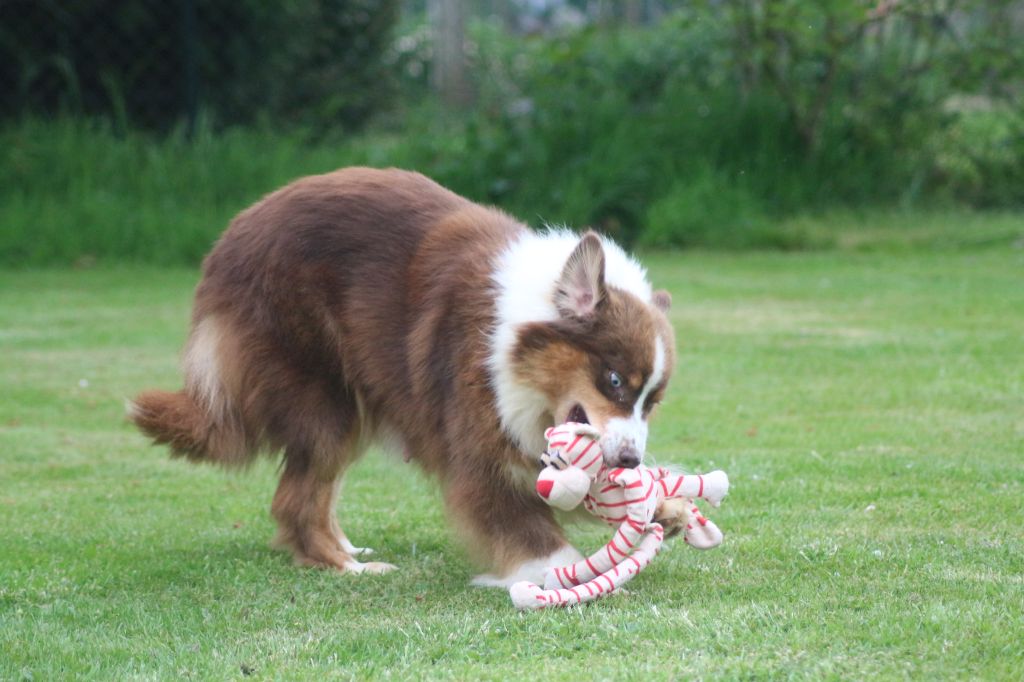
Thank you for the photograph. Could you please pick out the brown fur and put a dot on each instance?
(355, 304)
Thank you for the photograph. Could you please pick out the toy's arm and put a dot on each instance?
(659, 472)
(711, 487)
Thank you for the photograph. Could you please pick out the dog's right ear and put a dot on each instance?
(580, 288)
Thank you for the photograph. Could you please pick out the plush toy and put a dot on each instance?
(630, 498)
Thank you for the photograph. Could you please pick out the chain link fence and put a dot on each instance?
(158, 63)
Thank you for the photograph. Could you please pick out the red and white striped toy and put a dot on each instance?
(629, 498)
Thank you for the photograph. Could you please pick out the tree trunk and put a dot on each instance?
(448, 20)
(634, 12)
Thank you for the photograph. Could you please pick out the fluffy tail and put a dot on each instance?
(177, 420)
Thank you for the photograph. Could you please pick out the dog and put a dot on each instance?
(367, 305)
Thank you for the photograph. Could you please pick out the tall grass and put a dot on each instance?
(76, 193)
(72, 191)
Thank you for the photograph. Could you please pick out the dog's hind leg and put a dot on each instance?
(307, 524)
(321, 433)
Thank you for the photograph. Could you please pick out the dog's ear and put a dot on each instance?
(662, 300)
(580, 289)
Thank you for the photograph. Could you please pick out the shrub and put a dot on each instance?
(315, 63)
(978, 155)
(706, 210)
(804, 106)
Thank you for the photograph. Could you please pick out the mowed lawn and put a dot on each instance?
(869, 409)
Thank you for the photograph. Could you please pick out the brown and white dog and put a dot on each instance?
(369, 306)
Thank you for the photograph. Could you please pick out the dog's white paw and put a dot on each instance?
(487, 580)
(532, 570)
(368, 568)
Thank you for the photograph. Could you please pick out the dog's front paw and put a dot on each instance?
(532, 570)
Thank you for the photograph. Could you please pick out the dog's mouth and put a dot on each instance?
(578, 415)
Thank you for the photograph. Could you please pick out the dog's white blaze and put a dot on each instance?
(657, 374)
(621, 432)
(525, 275)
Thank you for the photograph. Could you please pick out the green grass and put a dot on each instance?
(869, 409)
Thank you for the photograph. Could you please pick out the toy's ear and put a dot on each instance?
(662, 300)
(580, 288)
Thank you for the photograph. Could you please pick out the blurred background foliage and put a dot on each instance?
(134, 129)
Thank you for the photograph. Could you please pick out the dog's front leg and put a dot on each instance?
(515, 536)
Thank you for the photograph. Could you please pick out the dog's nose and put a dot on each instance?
(629, 458)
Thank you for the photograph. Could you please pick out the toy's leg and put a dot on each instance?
(681, 515)
(314, 463)
(700, 532)
(635, 498)
(526, 595)
(711, 487)
(624, 541)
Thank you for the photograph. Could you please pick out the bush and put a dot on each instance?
(72, 192)
(691, 132)
(706, 210)
(978, 155)
(597, 127)
(803, 106)
(313, 63)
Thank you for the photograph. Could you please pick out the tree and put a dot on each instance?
(447, 18)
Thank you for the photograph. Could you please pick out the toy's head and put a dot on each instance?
(607, 357)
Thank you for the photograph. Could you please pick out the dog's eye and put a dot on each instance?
(614, 379)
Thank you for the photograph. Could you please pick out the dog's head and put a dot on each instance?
(605, 359)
